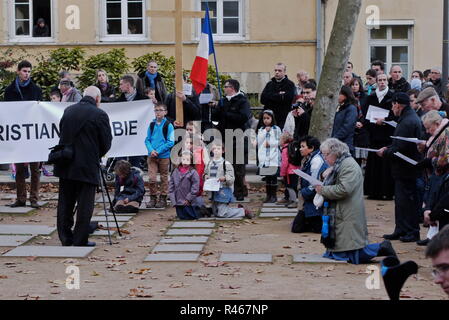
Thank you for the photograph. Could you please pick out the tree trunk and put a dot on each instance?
(337, 55)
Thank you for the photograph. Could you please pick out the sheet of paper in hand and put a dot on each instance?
(312, 180)
(394, 124)
(206, 98)
(413, 140)
(211, 184)
(367, 149)
(405, 158)
(376, 113)
(187, 89)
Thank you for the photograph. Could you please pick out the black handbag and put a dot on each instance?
(61, 154)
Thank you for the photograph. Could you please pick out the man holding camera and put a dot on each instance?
(298, 120)
(84, 127)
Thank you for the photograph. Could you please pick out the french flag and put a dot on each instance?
(198, 75)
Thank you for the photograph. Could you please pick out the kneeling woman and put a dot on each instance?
(343, 190)
(309, 219)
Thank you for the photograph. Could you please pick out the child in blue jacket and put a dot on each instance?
(160, 139)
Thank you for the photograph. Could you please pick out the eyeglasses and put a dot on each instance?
(440, 271)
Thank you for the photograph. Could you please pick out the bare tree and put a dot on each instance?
(337, 55)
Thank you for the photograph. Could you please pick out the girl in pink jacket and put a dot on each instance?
(287, 167)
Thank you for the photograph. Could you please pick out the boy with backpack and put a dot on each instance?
(160, 139)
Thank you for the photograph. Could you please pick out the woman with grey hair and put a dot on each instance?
(346, 238)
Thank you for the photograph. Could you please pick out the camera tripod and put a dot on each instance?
(104, 190)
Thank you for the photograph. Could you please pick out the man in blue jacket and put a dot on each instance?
(160, 139)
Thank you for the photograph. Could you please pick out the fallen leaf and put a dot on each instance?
(140, 271)
(31, 258)
(3, 277)
(177, 285)
(94, 274)
(286, 247)
(222, 286)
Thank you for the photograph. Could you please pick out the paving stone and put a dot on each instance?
(13, 241)
(17, 210)
(101, 233)
(189, 232)
(246, 257)
(245, 200)
(101, 213)
(184, 240)
(273, 205)
(313, 258)
(178, 248)
(220, 219)
(111, 218)
(172, 257)
(193, 225)
(284, 209)
(50, 252)
(8, 196)
(277, 214)
(26, 229)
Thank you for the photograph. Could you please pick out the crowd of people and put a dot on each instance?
(365, 155)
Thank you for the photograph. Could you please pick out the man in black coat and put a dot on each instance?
(87, 127)
(278, 94)
(233, 113)
(152, 79)
(403, 172)
(24, 89)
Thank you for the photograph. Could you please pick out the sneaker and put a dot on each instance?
(152, 203)
(34, 205)
(162, 203)
(17, 204)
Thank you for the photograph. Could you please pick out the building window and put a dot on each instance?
(124, 18)
(227, 20)
(32, 20)
(392, 44)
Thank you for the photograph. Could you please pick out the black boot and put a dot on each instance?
(267, 193)
(386, 249)
(299, 223)
(395, 274)
(274, 190)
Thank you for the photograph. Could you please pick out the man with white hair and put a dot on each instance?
(84, 129)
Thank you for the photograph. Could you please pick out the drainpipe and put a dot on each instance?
(319, 42)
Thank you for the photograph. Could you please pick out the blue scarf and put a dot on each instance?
(151, 77)
(20, 84)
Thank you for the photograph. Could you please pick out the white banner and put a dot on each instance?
(29, 128)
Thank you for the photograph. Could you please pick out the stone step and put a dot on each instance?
(246, 257)
(185, 240)
(189, 232)
(22, 229)
(13, 241)
(50, 252)
(193, 225)
(178, 248)
(313, 258)
(172, 257)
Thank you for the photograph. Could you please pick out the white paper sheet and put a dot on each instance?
(367, 149)
(206, 98)
(376, 113)
(312, 180)
(413, 140)
(187, 89)
(211, 184)
(405, 158)
(394, 124)
(433, 230)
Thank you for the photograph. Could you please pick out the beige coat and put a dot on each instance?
(351, 231)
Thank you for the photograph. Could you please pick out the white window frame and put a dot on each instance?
(220, 36)
(104, 37)
(389, 43)
(29, 38)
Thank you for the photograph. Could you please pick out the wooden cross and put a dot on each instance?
(178, 14)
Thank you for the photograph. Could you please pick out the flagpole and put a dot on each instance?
(215, 58)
